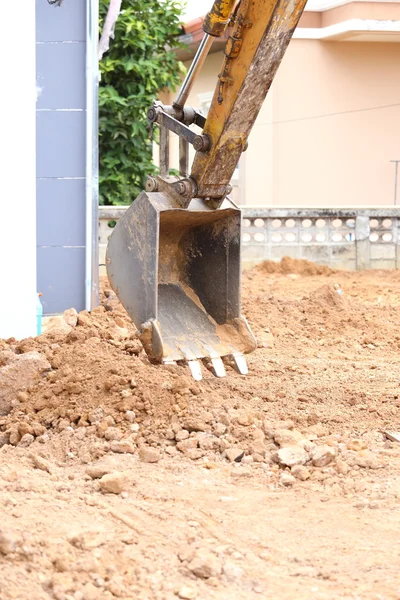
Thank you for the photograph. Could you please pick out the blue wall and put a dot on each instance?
(61, 153)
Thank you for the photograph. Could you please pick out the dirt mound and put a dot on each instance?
(289, 265)
(330, 296)
(120, 462)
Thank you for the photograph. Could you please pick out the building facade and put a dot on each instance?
(330, 127)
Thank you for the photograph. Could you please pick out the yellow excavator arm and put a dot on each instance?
(259, 33)
(174, 257)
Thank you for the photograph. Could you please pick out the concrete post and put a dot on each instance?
(396, 239)
(363, 250)
(17, 184)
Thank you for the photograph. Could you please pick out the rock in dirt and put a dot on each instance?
(41, 463)
(195, 424)
(291, 456)
(288, 437)
(4, 438)
(149, 455)
(58, 326)
(234, 454)
(322, 456)
(205, 564)
(181, 435)
(70, 317)
(113, 434)
(186, 445)
(123, 447)
(287, 479)
(98, 470)
(187, 593)
(232, 571)
(8, 542)
(114, 483)
(91, 592)
(367, 460)
(300, 472)
(19, 375)
(26, 440)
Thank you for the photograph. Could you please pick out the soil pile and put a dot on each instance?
(92, 417)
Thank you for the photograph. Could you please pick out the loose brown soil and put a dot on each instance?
(122, 479)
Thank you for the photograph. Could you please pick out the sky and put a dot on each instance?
(198, 8)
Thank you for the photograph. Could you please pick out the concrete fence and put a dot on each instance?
(351, 238)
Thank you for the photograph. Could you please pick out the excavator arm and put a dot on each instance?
(259, 33)
(174, 257)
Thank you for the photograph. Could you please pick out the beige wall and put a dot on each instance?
(297, 159)
(341, 159)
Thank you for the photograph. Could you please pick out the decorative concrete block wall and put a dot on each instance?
(353, 239)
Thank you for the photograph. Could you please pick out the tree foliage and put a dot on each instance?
(139, 64)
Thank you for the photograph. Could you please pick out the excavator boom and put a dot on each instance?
(174, 257)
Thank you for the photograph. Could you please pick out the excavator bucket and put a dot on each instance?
(177, 273)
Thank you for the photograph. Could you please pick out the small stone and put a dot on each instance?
(40, 463)
(183, 434)
(58, 326)
(149, 455)
(194, 424)
(91, 592)
(322, 456)
(367, 460)
(232, 571)
(114, 483)
(26, 440)
(205, 564)
(234, 454)
(23, 396)
(8, 542)
(244, 420)
(342, 467)
(187, 593)
(356, 445)
(130, 416)
(133, 384)
(113, 434)
(291, 456)
(123, 447)
(186, 445)
(135, 427)
(95, 416)
(125, 393)
(300, 472)
(288, 437)
(97, 471)
(287, 479)
(219, 429)
(4, 438)
(71, 317)
(14, 436)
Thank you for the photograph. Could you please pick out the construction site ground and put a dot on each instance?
(123, 479)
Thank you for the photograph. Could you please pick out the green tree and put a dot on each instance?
(139, 64)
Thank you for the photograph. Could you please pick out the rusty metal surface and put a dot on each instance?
(177, 273)
(218, 18)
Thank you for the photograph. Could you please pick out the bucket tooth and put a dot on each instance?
(195, 370)
(240, 363)
(218, 367)
(169, 362)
